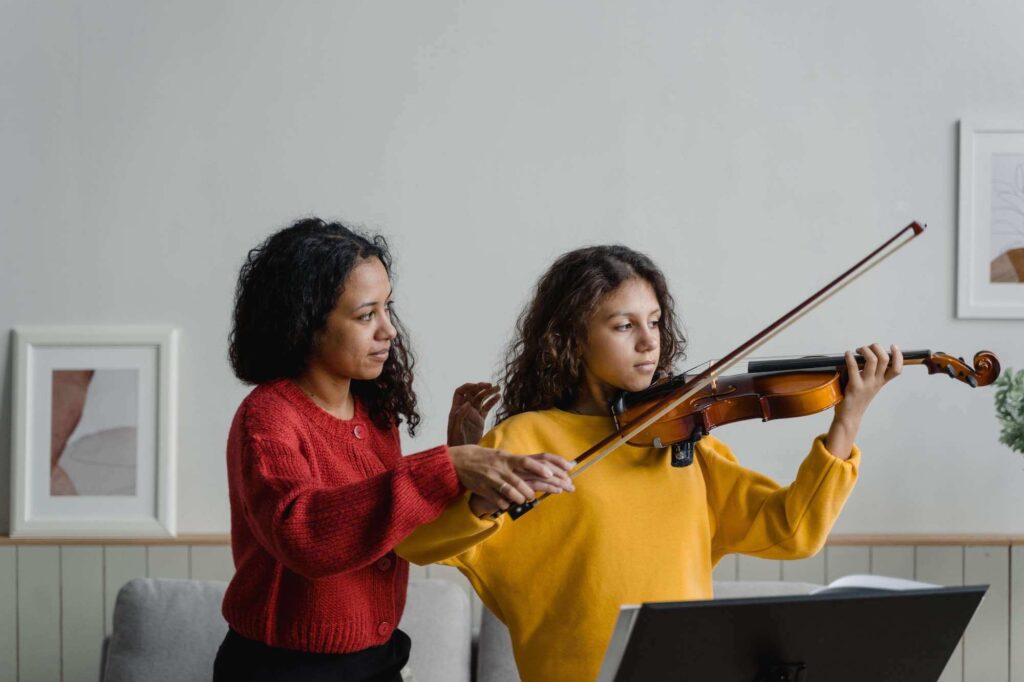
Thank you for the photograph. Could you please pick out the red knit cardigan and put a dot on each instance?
(317, 504)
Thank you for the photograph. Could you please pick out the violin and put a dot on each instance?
(709, 397)
(770, 389)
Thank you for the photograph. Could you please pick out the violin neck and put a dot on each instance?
(910, 357)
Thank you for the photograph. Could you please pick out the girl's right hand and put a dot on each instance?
(502, 479)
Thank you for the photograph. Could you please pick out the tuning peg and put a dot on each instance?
(972, 381)
(950, 371)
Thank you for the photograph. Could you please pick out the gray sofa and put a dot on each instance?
(170, 629)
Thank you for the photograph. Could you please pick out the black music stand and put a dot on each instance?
(843, 635)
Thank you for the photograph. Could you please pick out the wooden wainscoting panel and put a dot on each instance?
(943, 565)
(81, 579)
(8, 613)
(47, 593)
(809, 570)
(1017, 613)
(121, 563)
(753, 568)
(212, 562)
(167, 561)
(840, 561)
(39, 613)
(987, 640)
(894, 561)
(727, 569)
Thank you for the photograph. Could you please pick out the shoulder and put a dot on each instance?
(519, 431)
(267, 414)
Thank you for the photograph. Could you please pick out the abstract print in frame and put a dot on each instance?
(94, 432)
(990, 272)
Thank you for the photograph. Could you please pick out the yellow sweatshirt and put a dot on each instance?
(636, 530)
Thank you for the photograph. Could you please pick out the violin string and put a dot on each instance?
(634, 430)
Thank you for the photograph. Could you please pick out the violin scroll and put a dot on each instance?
(985, 370)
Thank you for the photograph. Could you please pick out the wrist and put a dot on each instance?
(846, 424)
(840, 437)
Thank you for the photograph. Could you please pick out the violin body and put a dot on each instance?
(764, 396)
(771, 389)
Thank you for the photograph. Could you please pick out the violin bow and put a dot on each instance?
(655, 412)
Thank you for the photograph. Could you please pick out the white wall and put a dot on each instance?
(755, 151)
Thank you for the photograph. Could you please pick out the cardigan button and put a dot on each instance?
(358, 431)
(383, 564)
(384, 628)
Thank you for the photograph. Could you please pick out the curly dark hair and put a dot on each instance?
(544, 361)
(287, 287)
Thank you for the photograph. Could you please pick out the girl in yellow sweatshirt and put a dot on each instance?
(636, 529)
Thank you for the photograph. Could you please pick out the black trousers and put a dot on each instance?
(245, 660)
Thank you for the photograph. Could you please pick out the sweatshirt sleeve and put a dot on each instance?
(457, 532)
(752, 514)
(318, 531)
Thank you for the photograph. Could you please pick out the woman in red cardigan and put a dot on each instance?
(320, 492)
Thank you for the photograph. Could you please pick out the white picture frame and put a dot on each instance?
(94, 432)
(990, 254)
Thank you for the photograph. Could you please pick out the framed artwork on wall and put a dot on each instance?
(94, 432)
(990, 256)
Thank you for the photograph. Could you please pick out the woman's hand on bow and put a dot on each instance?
(501, 479)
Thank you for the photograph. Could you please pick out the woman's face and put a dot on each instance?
(624, 338)
(357, 338)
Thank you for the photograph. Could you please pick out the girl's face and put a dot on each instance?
(357, 338)
(624, 338)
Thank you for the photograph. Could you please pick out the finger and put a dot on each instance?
(531, 465)
(870, 361)
(545, 486)
(507, 492)
(492, 496)
(561, 482)
(517, 491)
(483, 394)
(883, 360)
(896, 368)
(560, 462)
(489, 405)
(852, 370)
(457, 396)
(466, 389)
(560, 468)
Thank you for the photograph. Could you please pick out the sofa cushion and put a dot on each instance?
(439, 620)
(165, 630)
(171, 630)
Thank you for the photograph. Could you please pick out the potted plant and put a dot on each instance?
(1009, 400)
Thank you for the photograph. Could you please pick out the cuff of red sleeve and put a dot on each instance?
(434, 476)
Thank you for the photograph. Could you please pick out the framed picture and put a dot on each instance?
(94, 432)
(990, 263)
